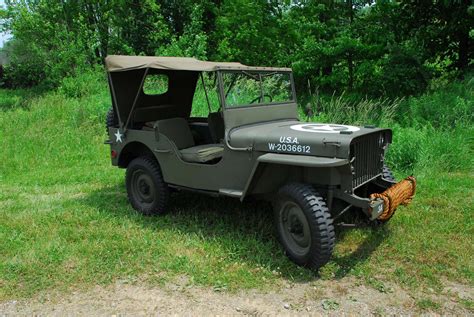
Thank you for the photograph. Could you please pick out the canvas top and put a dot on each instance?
(116, 63)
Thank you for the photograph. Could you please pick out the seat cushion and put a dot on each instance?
(202, 153)
(177, 130)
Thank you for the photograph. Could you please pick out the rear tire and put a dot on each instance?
(111, 120)
(304, 225)
(146, 190)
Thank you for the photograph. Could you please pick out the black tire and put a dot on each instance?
(147, 192)
(304, 225)
(387, 174)
(111, 120)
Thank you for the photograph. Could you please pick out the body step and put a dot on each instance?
(231, 193)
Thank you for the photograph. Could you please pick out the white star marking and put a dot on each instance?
(323, 128)
(118, 136)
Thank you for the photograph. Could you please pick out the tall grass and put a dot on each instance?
(338, 109)
(430, 149)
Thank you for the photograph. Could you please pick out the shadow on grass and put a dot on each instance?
(243, 230)
(347, 262)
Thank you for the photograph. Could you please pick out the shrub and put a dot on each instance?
(87, 83)
(446, 108)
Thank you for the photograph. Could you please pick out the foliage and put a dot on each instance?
(193, 41)
(60, 39)
(445, 107)
(89, 83)
(363, 112)
(376, 49)
(247, 31)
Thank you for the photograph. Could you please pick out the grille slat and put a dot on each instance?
(368, 151)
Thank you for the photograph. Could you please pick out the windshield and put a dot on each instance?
(253, 88)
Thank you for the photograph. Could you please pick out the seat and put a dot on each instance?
(216, 126)
(202, 153)
(178, 131)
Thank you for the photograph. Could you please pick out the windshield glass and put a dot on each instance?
(254, 88)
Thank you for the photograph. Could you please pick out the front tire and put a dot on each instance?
(387, 174)
(147, 191)
(304, 225)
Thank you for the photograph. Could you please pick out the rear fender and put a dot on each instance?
(131, 151)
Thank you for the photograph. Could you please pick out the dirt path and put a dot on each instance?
(316, 298)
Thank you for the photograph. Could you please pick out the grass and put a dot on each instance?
(65, 221)
(427, 304)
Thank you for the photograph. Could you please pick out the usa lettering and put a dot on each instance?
(288, 140)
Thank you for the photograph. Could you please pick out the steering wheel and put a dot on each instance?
(261, 98)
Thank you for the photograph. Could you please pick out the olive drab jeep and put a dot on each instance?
(249, 144)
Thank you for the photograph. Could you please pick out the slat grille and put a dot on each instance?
(368, 152)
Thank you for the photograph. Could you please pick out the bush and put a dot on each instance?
(88, 83)
(451, 106)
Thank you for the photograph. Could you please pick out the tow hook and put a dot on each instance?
(376, 208)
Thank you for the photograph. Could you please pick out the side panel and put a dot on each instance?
(231, 172)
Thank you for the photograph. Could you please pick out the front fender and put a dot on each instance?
(290, 161)
(301, 160)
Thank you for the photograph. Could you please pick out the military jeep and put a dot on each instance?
(250, 144)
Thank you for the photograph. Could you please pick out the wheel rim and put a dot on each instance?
(295, 228)
(143, 188)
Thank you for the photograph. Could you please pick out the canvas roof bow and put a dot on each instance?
(116, 63)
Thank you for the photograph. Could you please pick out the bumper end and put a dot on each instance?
(383, 205)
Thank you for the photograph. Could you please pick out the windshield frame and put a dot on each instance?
(222, 92)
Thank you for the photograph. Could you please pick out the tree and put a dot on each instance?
(247, 31)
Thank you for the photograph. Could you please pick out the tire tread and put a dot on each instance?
(321, 223)
(111, 119)
(162, 188)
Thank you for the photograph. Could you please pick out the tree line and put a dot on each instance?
(371, 48)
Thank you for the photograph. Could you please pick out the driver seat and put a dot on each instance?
(178, 131)
(216, 126)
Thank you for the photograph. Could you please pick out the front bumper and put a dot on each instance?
(376, 208)
(382, 205)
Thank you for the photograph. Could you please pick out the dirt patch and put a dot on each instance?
(347, 296)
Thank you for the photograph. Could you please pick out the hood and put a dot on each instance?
(304, 138)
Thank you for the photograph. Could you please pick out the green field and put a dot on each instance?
(65, 221)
